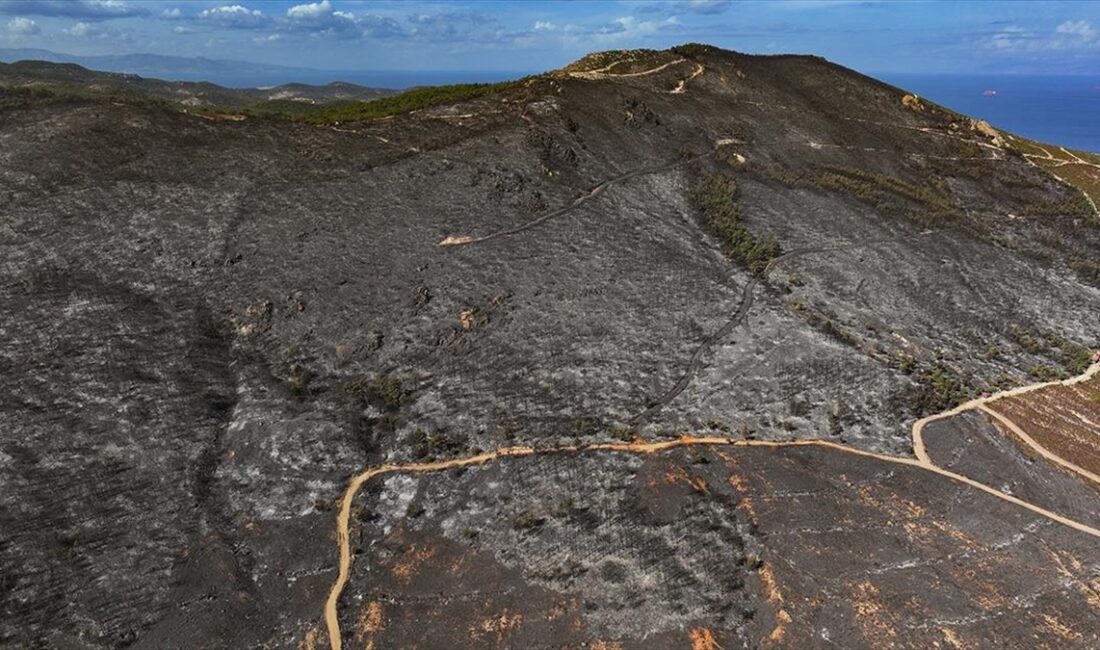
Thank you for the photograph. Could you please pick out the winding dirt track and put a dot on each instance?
(922, 461)
(1039, 449)
(982, 403)
(602, 73)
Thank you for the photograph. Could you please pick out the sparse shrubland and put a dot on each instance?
(938, 388)
(412, 100)
(930, 203)
(1073, 357)
(1043, 372)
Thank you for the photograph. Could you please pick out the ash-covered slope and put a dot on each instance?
(211, 325)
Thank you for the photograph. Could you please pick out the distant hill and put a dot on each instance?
(247, 74)
(73, 79)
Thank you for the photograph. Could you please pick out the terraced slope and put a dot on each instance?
(1065, 420)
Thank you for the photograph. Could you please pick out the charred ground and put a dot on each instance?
(214, 322)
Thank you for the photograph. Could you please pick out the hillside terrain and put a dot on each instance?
(68, 81)
(686, 348)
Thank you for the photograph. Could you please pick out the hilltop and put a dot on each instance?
(215, 320)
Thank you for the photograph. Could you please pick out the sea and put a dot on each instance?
(1063, 110)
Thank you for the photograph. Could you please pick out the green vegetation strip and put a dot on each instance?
(412, 100)
(716, 196)
(339, 111)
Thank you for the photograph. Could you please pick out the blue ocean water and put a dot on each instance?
(1062, 110)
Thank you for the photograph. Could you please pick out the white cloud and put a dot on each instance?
(319, 19)
(544, 26)
(79, 30)
(172, 13)
(310, 11)
(629, 28)
(85, 29)
(234, 16)
(1009, 38)
(1070, 35)
(21, 26)
(1080, 28)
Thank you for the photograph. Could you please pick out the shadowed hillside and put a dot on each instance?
(212, 324)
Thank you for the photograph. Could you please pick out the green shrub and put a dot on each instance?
(619, 432)
(716, 197)
(693, 50)
(1076, 358)
(298, 379)
(1026, 340)
(1043, 372)
(384, 391)
(429, 445)
(1088, 269)
(586, 426)
(938, 388)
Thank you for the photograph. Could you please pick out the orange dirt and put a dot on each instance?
(1065, 420)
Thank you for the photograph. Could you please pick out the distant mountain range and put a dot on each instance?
(73, 80)
(246, 74)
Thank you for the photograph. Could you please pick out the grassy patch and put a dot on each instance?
(336, 111)
(21, 96)
(716, 197)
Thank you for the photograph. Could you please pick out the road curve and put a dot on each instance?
(981, 402)
(343, 519)
(1038, 448)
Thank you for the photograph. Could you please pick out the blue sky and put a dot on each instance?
(528, 35)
